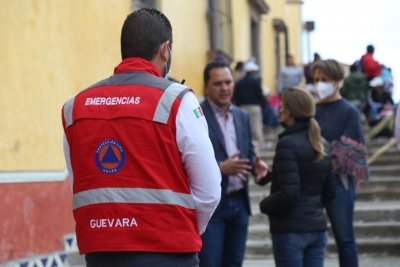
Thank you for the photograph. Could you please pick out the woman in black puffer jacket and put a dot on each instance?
(302, 180)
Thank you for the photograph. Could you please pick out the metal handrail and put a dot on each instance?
(387, 122)
(381, 150)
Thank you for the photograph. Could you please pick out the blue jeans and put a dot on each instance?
(224, 241)
(373, 112)
(341, 212)
(269, 118)
(299, 249)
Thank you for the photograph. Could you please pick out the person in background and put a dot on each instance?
(289, 76)
(224, 241)
(380, 106)
(145, 180)
(302, 180)
(270, 112)
(370, 67)
(309, 86)
(379, 101)
(355, 88)
(387, 78)
(248, 95)
(238, 72)
(307, 69)
(341, 126)
(397, 127)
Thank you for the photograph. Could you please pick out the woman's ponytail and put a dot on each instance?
(301, 105)
(314, 135)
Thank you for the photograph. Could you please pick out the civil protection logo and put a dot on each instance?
(110, 156)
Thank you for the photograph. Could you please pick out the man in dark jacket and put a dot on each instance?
(248, 95)
(224, 241)
(355, 88)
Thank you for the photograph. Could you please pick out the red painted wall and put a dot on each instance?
(34, 217)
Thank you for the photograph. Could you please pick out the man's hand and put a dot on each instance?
(260, 169)
(237, 167)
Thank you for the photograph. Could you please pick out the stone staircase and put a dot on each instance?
(376, 218)
(377, 208)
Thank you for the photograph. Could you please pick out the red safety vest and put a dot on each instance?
(130, 189)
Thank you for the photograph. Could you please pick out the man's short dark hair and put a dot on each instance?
(213, 65)
(144, 30)
(239, 65)
(370, 49)
(353, 68)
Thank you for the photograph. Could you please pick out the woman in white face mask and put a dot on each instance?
(341, 126)
(328, 86)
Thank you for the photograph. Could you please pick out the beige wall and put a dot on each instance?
(293, 22)
(291, 15)
(241, 30)
(51, 49)
(190, 45)
(268, 52)
(268, 42)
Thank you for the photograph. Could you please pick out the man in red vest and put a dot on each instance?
(144, 177)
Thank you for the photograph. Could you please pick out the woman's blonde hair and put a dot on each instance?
(301, 105)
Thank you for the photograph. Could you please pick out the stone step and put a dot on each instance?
(370, 246)
(374, 144)
(267, 154)
(331, 260)
(376, 183)
(391, 151)
(378, 195)
(391, 170)
(386, 160)
(383, 178)
(362, 230)
(371, 144)
(390, 160)
(395, 160)
(375, 211)
(381, 184)
(362, 195)
(74, 259)
(393, 154)
(390, 157)
(364, 211)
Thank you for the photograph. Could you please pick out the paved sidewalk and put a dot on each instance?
(332, 261)
(76, 260)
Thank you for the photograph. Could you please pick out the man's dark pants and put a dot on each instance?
(141, 259)
(224, 242)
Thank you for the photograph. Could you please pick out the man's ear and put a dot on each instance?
(164, 51)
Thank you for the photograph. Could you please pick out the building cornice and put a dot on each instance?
(299, 2)
(260, 6)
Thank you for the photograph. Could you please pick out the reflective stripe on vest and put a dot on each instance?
(173, 91)
(167, 99)
(132, 196)
(68, 106)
